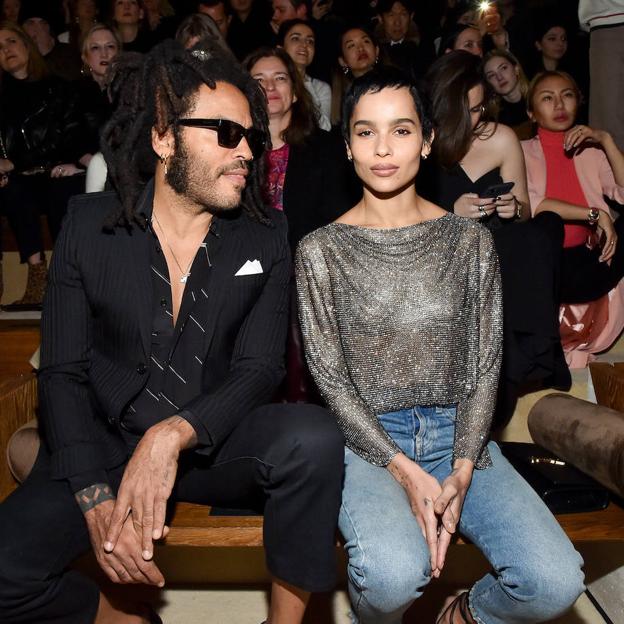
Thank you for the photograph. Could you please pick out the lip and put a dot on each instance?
(362, 56)
(384, 171)
(561, 117)
(239, 176)
(503, 84)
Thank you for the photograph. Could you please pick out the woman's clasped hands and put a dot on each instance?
(437, 507)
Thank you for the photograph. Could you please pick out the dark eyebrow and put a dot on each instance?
(395, 122)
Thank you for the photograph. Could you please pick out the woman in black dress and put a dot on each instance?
(472, 156)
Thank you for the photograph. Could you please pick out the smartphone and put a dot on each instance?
(496, 190)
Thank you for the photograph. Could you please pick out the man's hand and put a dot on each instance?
(125, 564)
(320, 8)
(147, 483)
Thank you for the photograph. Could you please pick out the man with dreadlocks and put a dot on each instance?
(163, 338)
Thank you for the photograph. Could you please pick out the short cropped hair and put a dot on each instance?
(376, 80)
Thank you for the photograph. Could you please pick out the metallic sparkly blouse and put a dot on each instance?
(394, 318)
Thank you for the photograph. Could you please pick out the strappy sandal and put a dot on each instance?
(458, 606)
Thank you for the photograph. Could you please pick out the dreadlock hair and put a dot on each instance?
(154, 91)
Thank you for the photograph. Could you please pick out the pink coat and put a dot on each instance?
(586, 328)
(592, 168)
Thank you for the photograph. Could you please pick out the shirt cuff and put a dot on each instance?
(204, 439)
(85, 479)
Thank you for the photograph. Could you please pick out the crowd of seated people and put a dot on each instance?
(46, 45)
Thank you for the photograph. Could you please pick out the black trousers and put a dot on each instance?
(25, 198)
(286, 460)
(584, 278)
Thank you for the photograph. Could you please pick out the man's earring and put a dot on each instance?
(163, 160)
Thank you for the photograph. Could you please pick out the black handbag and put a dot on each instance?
(563, 488)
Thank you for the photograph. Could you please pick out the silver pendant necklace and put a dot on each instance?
(184, 274)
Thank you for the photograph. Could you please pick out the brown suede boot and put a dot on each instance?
(32, 299)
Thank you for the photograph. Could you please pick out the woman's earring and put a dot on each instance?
(345, 70)
(163, 160)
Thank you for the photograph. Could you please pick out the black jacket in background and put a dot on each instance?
(41, 122)
(319, 186)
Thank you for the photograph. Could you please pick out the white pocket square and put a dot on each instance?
(249, 268)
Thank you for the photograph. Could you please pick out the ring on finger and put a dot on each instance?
(482, 212)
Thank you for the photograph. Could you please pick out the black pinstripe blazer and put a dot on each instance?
(96, 327)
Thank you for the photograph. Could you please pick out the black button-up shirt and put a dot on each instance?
(175, 365)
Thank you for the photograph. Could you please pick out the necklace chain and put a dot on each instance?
(184, 274)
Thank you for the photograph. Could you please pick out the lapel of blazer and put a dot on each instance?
(138, 240)
(227, 253)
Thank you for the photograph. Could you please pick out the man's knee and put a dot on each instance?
(310, 434)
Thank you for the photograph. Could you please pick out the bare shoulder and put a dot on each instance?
(503, 136)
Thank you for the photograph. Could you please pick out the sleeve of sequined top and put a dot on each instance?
(362, 431)
(474, 414)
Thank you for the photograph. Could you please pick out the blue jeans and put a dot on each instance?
(536, 572)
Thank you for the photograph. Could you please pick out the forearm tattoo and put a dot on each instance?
(93, 495)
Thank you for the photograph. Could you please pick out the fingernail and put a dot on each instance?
(161, 584)
(156, 534)
(146, 554)
(108, 546)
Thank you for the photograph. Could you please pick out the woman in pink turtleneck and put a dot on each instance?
(570, 168)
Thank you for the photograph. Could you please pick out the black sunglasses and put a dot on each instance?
(230, 133)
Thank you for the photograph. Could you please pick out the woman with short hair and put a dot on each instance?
(400, 307)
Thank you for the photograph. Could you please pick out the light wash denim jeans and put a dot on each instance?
(536, 573)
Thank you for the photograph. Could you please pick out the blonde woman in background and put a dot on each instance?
(505, 75)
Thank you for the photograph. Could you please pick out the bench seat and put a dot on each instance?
(191, 525)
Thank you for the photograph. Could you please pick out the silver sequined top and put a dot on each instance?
(394, 318)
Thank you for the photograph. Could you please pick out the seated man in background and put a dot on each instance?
(39, 18)
(402, 42)
(163, 339)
